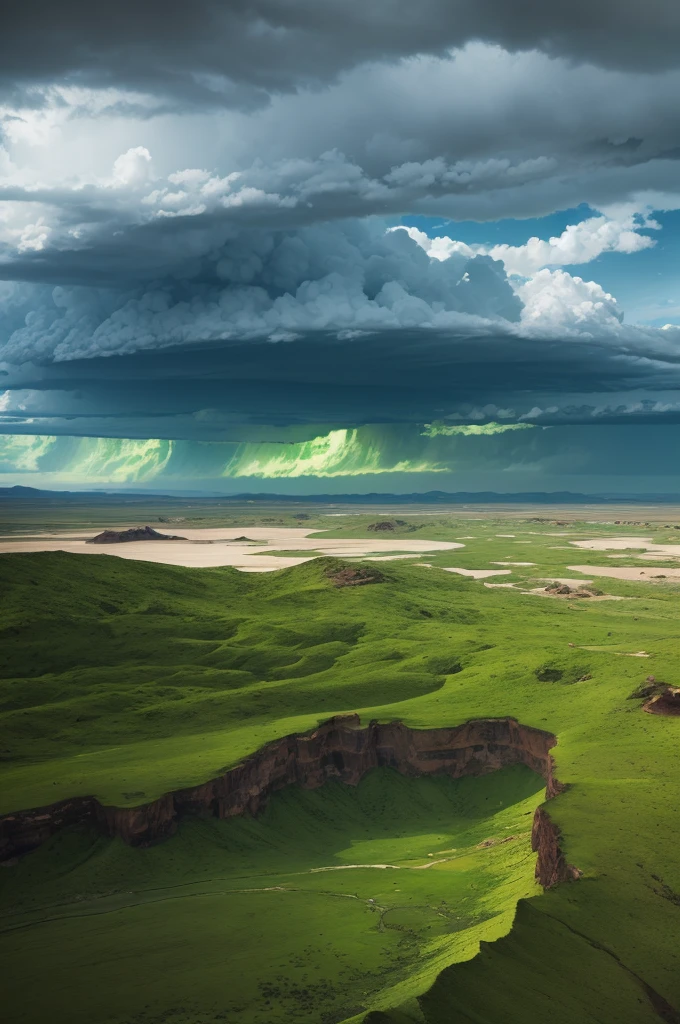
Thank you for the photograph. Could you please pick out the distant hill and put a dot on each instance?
(19, 493)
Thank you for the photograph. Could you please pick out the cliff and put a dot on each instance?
(551, 864)
(339, 749)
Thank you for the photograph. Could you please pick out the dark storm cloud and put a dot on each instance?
(237, 53)
(336, 324)
(257, 290)
(261, 391)
(346, 277)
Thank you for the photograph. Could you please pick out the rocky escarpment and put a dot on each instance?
(338, 749)
(134, 533)
(551, 864)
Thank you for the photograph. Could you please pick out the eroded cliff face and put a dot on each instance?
(338, 749)
(551, 864)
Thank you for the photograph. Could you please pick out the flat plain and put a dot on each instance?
(126, 679)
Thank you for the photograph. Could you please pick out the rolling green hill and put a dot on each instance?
(125, 680)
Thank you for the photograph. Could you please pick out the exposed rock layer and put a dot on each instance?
(351, 577)
(339, 749)
(666, 702)
(551, 864)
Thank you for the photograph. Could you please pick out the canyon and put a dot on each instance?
(339, 748)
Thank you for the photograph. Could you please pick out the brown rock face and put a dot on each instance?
(382, 526)
(354, 577)
(551, 865)
(665, 703)
(136, 533)
(338, 749)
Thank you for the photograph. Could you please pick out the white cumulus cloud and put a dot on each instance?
(578, 243)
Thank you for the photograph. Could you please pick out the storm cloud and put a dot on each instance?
(208, 220)
(241, 52)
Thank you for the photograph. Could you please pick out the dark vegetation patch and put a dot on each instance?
(556, 671)
(549, 675)
(444, 665)
(392, 525)
(649, 688)
(666, 892)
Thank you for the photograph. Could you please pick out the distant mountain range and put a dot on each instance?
(428, 498)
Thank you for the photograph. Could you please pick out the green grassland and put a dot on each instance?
(46, 512)
(232, 918)
(127, 679)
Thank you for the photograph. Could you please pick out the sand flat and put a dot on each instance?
(479, 574)
(564, 580)
(621, 572)
(215, 546)
(623, 543)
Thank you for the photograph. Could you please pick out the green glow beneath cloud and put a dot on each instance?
(372, 450)
(99, 459)
(23, 452)
(345, 452)
(339, 453)
(439, 429)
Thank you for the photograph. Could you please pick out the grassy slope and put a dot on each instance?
(185, 671)
(231, 918)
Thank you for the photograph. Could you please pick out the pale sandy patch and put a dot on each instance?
(361, 548)
(381, 867)
(479, 574)
(620, 572)
(649, 556)
(613, 543)
(354, 867)
(80, 535)
(656, 555)
(513, 563)
(562, 579)
(215, 546)
(622, 543)
(388, 558)
(513, 535)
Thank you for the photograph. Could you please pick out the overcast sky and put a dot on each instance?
(277, 220)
